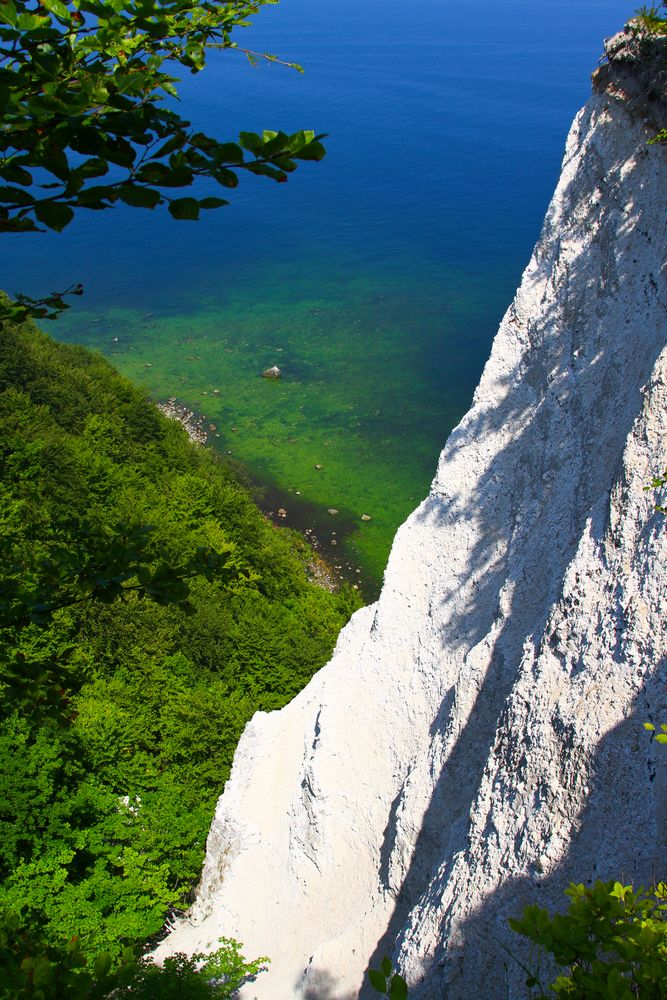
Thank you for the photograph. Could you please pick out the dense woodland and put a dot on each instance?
(126, 684)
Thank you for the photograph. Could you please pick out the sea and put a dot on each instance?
(375, 280)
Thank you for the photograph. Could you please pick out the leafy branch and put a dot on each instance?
(658, 483)
(611, 942)
(48, 307)
(32, 971)
(87, 117)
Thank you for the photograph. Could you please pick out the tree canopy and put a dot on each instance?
(147, 609)
(123, 691)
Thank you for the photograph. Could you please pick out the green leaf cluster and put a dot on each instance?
(33, 972)
(612, 942)
(47, 307)
(147, 609)
(660, 737)
(388, 983)
(658, 482)
(88, 118)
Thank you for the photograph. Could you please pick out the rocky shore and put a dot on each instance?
(320, 570)
(193, 424)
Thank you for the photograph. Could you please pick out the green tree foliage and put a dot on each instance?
(131, 657)
(89, 119)
(82, 92)
(32, 972)
(611, 942)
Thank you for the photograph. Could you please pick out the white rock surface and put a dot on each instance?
(476, 740)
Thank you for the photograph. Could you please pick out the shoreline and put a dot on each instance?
(187, 418)
(327, 569)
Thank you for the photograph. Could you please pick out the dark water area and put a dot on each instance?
(375, 279)
(325, 531)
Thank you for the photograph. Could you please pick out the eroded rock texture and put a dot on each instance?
(476, 740)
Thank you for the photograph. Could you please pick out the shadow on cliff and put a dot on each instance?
(610, 844)
(571, 398)
(322, 986)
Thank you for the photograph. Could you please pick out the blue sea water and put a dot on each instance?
(375, 278)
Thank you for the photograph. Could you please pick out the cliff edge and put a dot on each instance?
(476, 740)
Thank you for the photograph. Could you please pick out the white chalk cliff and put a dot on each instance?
(476, 741)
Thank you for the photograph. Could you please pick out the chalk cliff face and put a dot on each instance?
(476, 740)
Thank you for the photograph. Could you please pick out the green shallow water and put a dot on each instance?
(376, 370)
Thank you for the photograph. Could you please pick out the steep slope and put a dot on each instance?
(476, 740)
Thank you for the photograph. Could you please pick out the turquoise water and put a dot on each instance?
(375, 279)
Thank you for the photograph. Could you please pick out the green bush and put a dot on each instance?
(611, 942)
(31, 971)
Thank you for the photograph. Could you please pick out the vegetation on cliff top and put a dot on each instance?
(654, 18)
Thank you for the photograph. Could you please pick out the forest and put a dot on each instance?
(148, 609)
